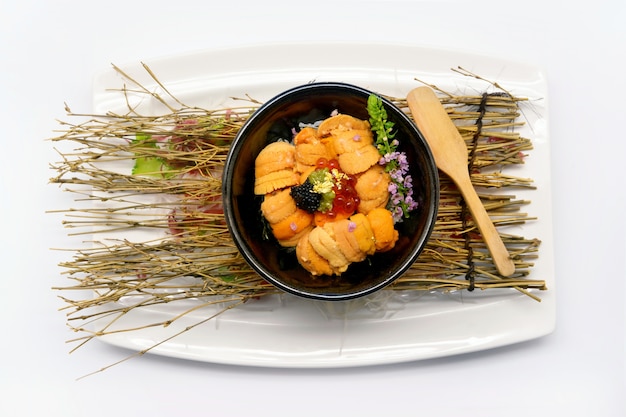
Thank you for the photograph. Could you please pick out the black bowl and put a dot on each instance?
(275, 120)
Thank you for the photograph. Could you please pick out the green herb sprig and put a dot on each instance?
(395, 163)
(380, 125)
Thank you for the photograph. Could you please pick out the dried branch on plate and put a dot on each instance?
(133, 173)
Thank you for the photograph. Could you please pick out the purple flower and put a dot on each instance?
(396, 175)
(397, 214)
(401, 186)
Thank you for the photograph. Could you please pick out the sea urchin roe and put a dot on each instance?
(322, 210)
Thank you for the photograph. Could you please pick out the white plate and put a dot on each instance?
(290, 332)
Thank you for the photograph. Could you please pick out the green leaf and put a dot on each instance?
(225, 274)
(150, 166)
(144, 140)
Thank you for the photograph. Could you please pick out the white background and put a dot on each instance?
(50, 51)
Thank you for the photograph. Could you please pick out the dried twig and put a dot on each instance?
(176, 197)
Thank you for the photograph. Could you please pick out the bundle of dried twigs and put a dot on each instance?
(133, 173)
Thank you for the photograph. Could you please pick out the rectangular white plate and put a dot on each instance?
(289, 332)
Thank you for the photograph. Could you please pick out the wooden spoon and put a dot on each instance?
(450, 152)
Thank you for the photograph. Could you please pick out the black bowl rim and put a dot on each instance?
(244, 249)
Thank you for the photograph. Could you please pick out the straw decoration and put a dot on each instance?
(134, 175)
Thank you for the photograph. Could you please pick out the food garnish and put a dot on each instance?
(306, 197)
(395, 162)
(107, 267)
(336, 167)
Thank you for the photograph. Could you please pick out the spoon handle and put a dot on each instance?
(499, 254)
(450, 153)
